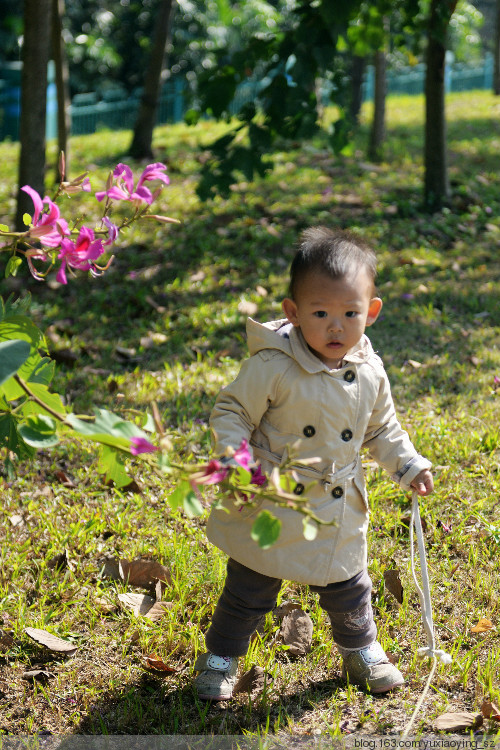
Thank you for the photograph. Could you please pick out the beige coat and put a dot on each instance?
(283, 394)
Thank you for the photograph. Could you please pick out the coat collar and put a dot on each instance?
(281, 335)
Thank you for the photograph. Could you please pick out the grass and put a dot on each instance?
(171, 299)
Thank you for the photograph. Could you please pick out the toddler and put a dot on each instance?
(312, 380)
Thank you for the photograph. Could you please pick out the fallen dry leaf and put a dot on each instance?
(158, 665)
(16, 520)
(59, 562)
(285, 608)
(452, 722)
(50, 641)
(393, 584)
(158, 610)
(140, 604)
(103, 604)
(144, 573)
(252, 681)
(6, 639)
(490, 710)
(296, 632)
(482, 626)
(40, 675)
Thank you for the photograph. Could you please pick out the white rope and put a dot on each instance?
(426, 605)
(425, 594)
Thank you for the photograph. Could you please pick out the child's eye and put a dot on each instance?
(351, 314)
(320, 314)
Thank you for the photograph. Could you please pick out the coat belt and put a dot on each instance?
(330, 476)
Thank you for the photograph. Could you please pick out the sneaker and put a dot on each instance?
(217, 676)
(371, 669)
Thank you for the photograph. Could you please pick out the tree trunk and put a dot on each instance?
(496, 70)
(62, 84)
(436, 183)
(141, 146)
(35, 56)
(377, 132)
(357, 72)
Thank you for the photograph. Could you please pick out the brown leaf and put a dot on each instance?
(59, 562)
(6, 639)
(452, 722)
(144, 573)
(111, 568)
(393, 584)
(65, 479)
(296, 632)
(252, 681)
(16, 520)
(482, 626)
(40, 675)
(158, 665)
(140, 604)
(50, 641)
(284, 609)
(104, 605)
(490, 710)
(158, 610)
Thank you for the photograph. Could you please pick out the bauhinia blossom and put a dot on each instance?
(49, 228)
(81, 254)
(140, 445)
(124, 190)
(212, 473)
(112, 230)
(242, 456)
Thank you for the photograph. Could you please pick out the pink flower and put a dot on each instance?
(258, 477)
(112, 230)
(140, 445)
(212, 473)
(124, 188)
(80, 254)
(47, 227)
(242, 456)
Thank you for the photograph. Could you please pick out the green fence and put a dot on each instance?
(117, 110)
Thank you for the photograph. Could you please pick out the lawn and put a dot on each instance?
(166, 323)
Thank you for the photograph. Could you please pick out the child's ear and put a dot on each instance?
(373, 310)
(290, 310)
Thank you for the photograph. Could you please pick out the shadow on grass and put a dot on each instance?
(151, 707)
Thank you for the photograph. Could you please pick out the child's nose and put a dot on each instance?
(335, 325)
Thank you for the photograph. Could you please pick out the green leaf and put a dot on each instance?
(51, 400)
(12, 266)
(192, 506)
(310, 529)
(4, 228)
(13, 354)
(107, 428)
(9, 437)
(27, 220)
(112, 465)
(176, 498)
(39, 432)
(266, 529)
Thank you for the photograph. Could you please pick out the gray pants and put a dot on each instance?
(248, 596)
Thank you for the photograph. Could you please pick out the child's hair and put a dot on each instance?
(333, 253)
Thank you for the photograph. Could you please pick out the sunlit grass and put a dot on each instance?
(172, 298)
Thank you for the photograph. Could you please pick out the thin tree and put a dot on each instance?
(377, 129)
(35, 56)
(62, 83)
(496, 69)
(436, 182)
(142, 140)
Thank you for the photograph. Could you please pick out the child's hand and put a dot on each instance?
(423, 483)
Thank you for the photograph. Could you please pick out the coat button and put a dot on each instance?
(346, 435)
(337, 492)
(299, 488)
(349, 376)
(309, 430)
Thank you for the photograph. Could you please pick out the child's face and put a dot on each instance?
(333, 313)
